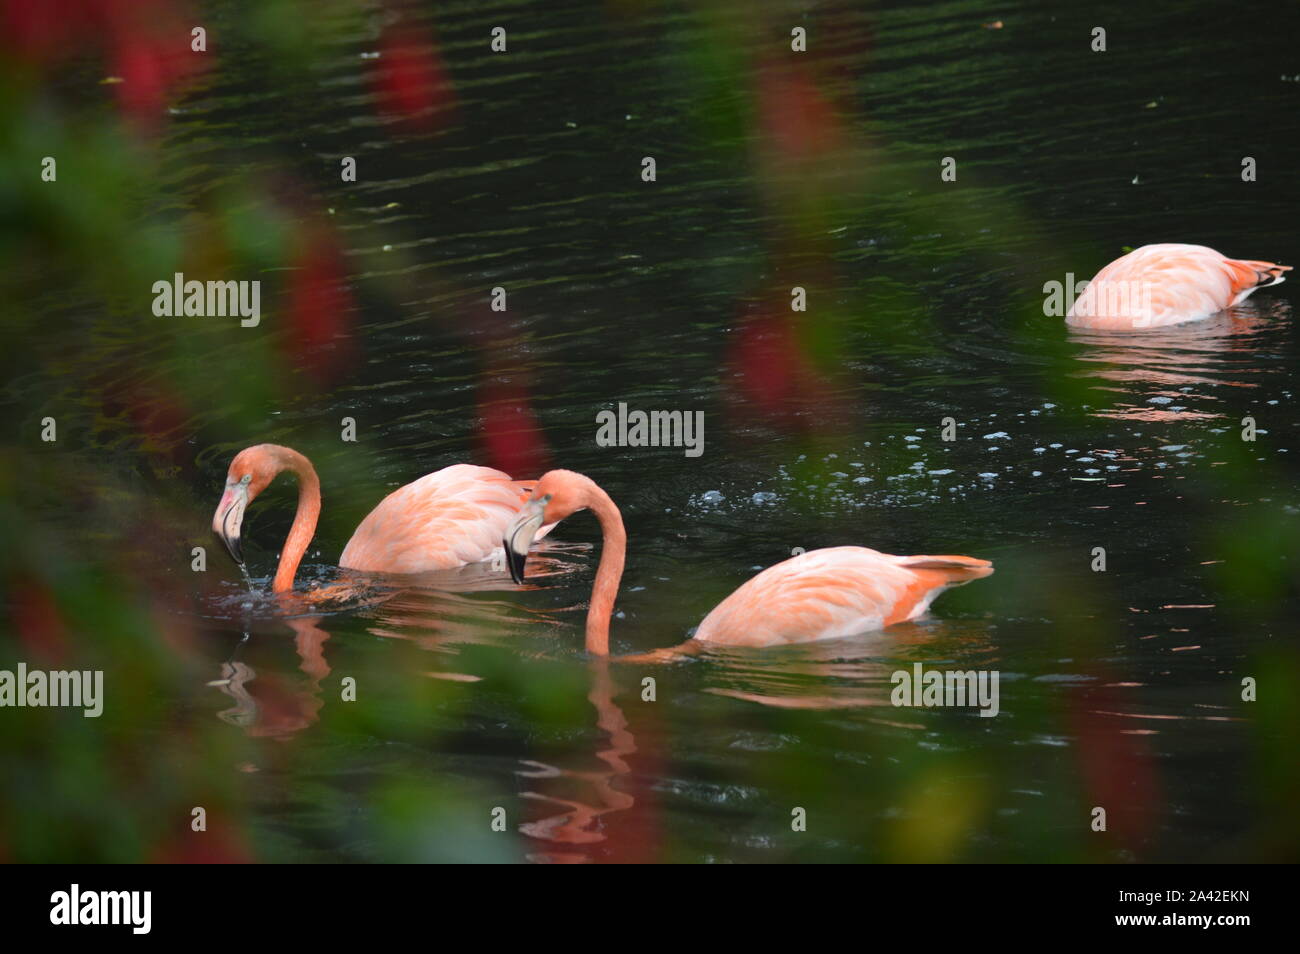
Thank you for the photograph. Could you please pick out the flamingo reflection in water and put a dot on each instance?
(580, 826)
(273, 707)
(1173, 373)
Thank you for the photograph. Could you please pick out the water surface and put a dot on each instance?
(1120, 689)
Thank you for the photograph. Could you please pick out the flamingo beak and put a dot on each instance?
(230, 517)
(519, 536)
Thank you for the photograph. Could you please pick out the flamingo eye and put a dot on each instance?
(246, 478)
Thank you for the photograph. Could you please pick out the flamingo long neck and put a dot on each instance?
(304, 521)
(613, 553)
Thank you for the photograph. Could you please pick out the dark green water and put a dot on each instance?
(1120, 689)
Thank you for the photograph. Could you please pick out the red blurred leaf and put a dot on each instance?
(1118, 768)
(36, 619)
(794, 115)
(774, 378)
(411, 84)
(320, 307)
(512, 441)
(223, 843)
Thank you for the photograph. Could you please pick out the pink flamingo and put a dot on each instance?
(1168, 284)
(820, 594)
(450, 518)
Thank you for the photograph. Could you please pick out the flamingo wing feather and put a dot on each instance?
(450, 518)
(839, 591)
(1167, 284)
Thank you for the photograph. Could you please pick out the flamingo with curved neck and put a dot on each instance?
(250, 473)
(450, 518)
(558, 494)
(821, 594)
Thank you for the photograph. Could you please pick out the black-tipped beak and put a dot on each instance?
(232, 545)
(519, 536)
(515, 561)
(229, 518)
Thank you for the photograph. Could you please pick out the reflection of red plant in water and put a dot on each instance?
(320, 307)
(409, 80)
(511, 439)
(146, 43)
(1118, 770)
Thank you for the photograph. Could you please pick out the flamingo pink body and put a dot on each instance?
(838, 591)
(446, 519)
(450, 518)
(822, 594)
(1159, 285)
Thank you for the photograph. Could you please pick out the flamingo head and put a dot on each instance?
(520, 534)
(558, 494)
(250, 472)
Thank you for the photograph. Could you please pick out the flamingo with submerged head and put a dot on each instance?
(1167, 284)
(450, 518)
(821, 594)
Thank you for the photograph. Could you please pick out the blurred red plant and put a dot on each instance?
(410, 82)
(1118, 769)
(37, 620)
(794, 116)
(223, 843)
(510, 437)
(146, 44)
(775, 378)
(320, 306)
